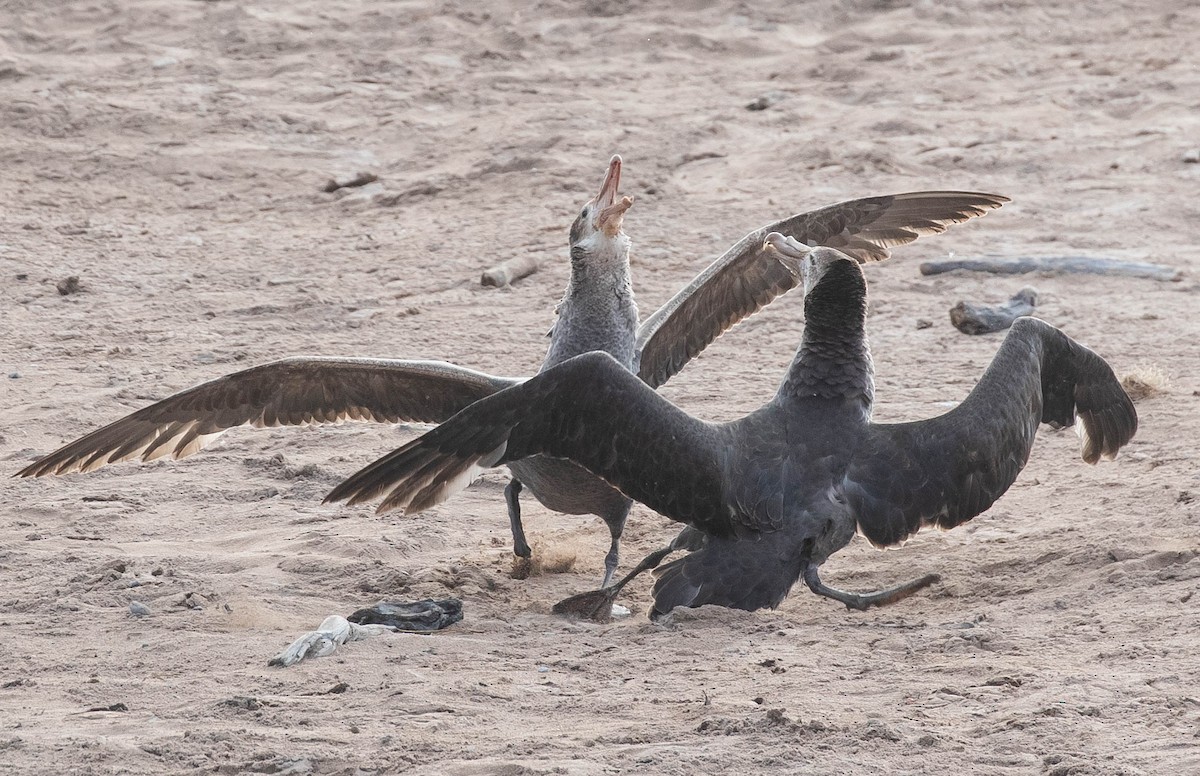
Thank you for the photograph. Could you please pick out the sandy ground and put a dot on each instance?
(171, 155)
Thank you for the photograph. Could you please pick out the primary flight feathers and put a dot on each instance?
(290, 392)
(748, 276)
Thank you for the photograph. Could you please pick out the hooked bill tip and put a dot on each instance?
(788, 246)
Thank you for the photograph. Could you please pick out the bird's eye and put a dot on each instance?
(583, 213)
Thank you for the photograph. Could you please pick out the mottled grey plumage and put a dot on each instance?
(597, 313)
(777, 492)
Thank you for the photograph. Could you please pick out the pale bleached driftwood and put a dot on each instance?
(978, 319)
(510, 271)
(1057, 265)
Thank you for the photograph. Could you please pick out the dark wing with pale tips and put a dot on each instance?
(947, 470)
(291, 392)
(589, 409)
(747, 278)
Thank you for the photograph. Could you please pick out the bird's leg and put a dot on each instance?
(597, 604)
(616, 527)
(511, 493)
(610, 562)
(864, 601)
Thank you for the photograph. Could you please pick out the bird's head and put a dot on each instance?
(598, 227)
(813, 263)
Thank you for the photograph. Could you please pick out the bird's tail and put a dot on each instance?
(419, 474)
(749, 573)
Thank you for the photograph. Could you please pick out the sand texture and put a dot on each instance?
(172, 154)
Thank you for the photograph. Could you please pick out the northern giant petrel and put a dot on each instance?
(774, 494)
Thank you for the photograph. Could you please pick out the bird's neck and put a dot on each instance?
(601, 286)
(834, 361)
(598, 311)
(600, 266)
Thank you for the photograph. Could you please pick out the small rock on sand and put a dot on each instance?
(349, 181)
(69, 285)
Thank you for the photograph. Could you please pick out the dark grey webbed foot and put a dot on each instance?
(592, 605)
(864, 601)
(597, 604)
(512, 492)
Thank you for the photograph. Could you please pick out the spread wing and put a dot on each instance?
(588, 409)
(291, 392)
(946, 470)
(748, 278)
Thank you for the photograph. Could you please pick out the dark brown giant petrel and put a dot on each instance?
(597, 312)
(771, 496)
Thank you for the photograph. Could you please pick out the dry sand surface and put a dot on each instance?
(171, 156)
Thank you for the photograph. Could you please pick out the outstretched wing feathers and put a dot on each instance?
(747, 277)
(947, 470)
(589, 409)
(717, 299)
(290, 392)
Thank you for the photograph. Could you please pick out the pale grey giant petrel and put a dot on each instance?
(597, 312)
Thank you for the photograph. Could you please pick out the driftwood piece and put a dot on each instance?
(510, 271)
(1056, 265)
(977, 319)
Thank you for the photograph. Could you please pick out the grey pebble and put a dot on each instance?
(139, 609)
(765, 101)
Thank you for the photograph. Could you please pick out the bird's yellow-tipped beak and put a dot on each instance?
(610, 212)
